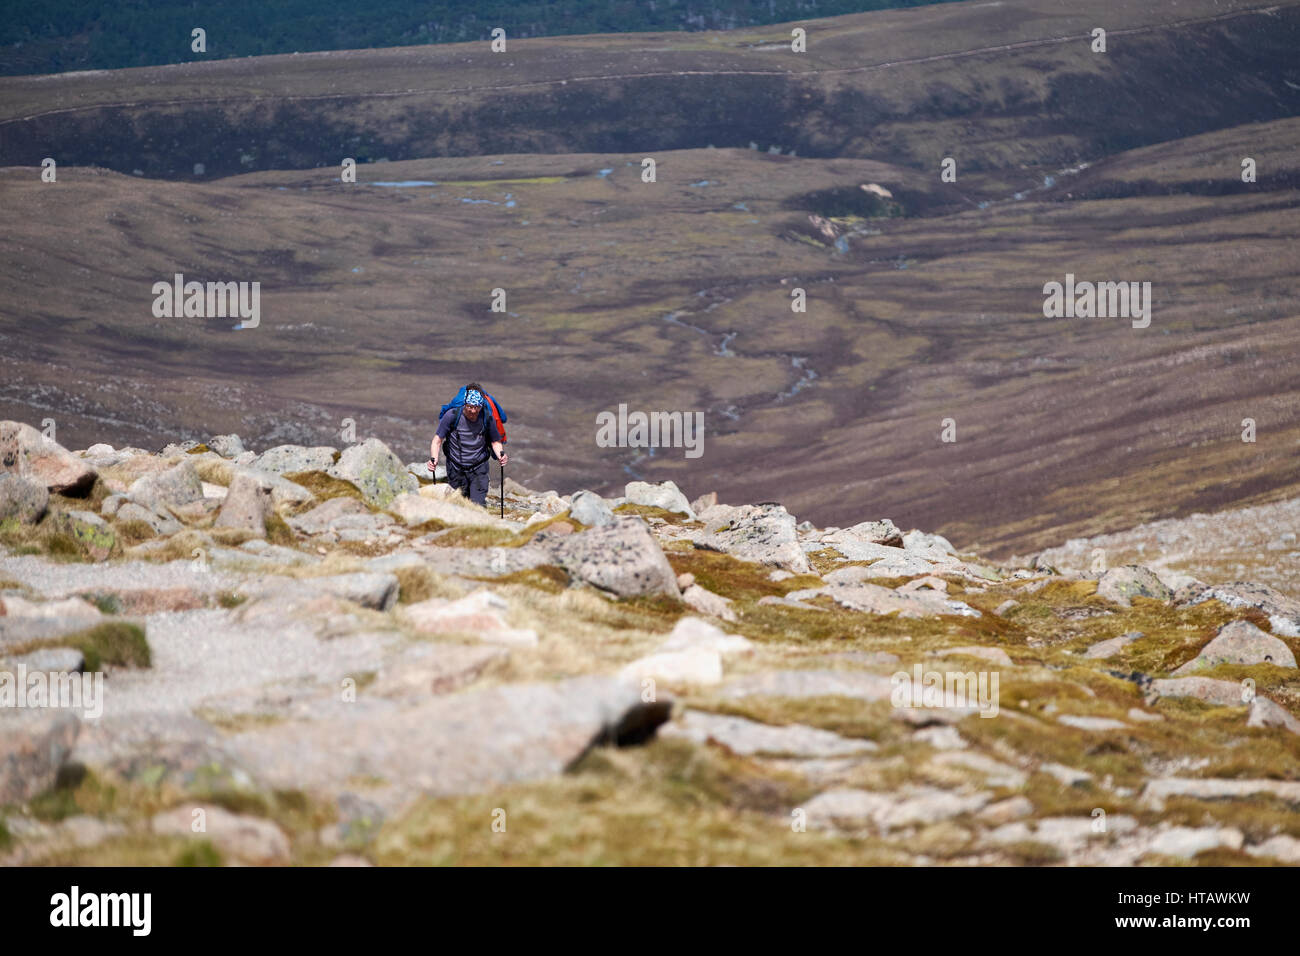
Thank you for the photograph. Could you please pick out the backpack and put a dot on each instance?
(493, 406)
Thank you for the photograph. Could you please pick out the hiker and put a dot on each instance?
(468, 431)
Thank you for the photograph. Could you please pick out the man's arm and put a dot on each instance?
(435, 446)
(494, 436)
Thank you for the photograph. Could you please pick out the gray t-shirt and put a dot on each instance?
(467, 443)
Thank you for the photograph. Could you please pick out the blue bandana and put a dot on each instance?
(473, 397)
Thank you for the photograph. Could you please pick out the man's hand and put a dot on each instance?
(432, 465)
(505, 459)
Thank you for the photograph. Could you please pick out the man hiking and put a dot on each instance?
(468, 432)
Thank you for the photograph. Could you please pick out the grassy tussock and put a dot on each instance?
(421, 584)
(527, 535)
(131, 533)
(215, 471)
(111, 798)
(548, 578)
(649, 511)
(181, 546)
(324, 486)
(119, 643)
(477, 536)
(278, 531)
(53, 537)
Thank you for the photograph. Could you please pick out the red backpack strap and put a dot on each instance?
(496, 416)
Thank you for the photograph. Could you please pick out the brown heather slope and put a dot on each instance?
(375, 300)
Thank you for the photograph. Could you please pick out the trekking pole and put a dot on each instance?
(503, 487)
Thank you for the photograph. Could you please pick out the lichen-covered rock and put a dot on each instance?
(848, 540)
(590, 509)
(289, 459)
(27, 453)
(1121, 585)
(22, 499)
(1283, 612)
(176, 486)
(227, 446)
(762, 533)
(921, 541)
(376, 471)
(89, 530)
(623, 558)
(664, 495)
(161, 524)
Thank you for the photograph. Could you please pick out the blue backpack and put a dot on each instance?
(493, 406)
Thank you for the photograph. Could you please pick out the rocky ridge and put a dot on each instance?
(335, 659)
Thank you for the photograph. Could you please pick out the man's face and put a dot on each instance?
(471, 412)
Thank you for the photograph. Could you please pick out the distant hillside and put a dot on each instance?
(1012, 86)
(87, 34)
(522, 173)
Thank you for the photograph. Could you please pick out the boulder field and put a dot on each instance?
(323, 656)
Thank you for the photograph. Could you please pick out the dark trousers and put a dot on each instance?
(470, 482)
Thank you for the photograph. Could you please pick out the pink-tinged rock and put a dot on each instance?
(1267, 713)
(33, 746)
(27, 453)
(1222, 693)
(1240, 642)
(244, 838)
(478, 612)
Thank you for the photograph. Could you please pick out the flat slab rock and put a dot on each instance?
(1221, 693)
(484, 562)
(812, 683)
(70, 579)
(1104, 650)
(751, 738)
(874, 599)
(850, 809)
(463, 743)
(1158, 791)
